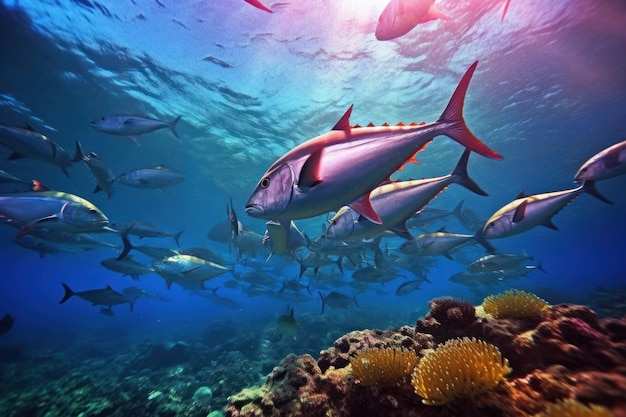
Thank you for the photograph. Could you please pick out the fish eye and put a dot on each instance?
(265, 182)
(492, 224)
(93, 211)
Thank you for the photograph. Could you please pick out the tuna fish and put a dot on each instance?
(337, 300)
(53, 210)
(102, 297)
(132, 125)
(526, 212)
(608, 163)
(395, 203)
(317, 176)
(25, 142)
(101, 172)
(158, 176)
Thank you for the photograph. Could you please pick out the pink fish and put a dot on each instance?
(400, 16)
(258, 5)
(342, 166)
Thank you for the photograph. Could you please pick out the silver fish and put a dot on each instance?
(608, 163)
(132, 125)
(102, 297)
(498, 261)
(336, 300)
(318, 176)
(158, 176)
(127, 266)
(441, 243)
(52, 210)
(143, 229)
(526, 212)
(396, 202)
(101, 172)
(28, 143)
(187, 268)
(409, 286)
(284, 238)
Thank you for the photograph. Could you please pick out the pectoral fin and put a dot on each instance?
(310, 173)
(520, 212)
(363, 206)
(548, 223)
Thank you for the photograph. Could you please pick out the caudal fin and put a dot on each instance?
(456, 128)
(173, 126)
(461, 176)
(68, 293)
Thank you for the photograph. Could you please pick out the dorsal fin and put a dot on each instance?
(521, 194)
(370, 124)
(344, 122)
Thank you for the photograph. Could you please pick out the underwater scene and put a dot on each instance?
(312, 208)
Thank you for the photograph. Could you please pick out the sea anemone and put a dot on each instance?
(513, 304)
(383, 366)
(572, 408)
(453, 313)
(459, 368)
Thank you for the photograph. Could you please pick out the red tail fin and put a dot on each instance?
(453, 115)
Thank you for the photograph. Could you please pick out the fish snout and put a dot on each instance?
(254, 210)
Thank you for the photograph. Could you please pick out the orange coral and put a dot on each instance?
(459, 368)
(514, 304)
(572, 408)
(383, 366)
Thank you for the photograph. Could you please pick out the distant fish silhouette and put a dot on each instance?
(258, 5)
(400, 16)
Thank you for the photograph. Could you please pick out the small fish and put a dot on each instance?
(396, 202)
(468, 217)
(608, 163)
(336, 300)
(498, 261)
(44, 247)
(410, 286)
(372, 274)
(101, 172)
(316, 177)
(400, 16)
(441, 243)
(143, 229)
(284, 238)
(316, 261)
(158, 176)
(132, 125)
(526, 212)
(259, 5)
(52, 210)
(6, 323)
(25, 142)
(127, 266)
(427, 216)
(102, 297)
(294, 285)
(287, 325)
(186, 268)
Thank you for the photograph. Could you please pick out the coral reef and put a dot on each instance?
(514, 304)
(459, 368)
(562, 352)
(383, 367)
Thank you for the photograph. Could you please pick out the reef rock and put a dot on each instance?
(565, 351)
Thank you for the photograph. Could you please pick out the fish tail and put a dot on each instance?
(177, 237)
(340, 263)
(456, 128)
(68, 293)
(323, 301)
(172, 126)
(482, 240)
(78, 153)
(463, 178)
(127, 246)
(589, 187)
(540, 267)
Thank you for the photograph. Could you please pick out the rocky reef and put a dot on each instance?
(563, 352)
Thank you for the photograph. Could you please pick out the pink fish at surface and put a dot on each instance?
(259, 5)
(342, 166)
(400, 16)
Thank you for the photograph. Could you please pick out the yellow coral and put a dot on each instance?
(572, 408)
(514, 304)
(383, 366)
(459, 368)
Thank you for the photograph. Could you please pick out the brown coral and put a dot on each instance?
(383, 367)
(572, 408)
(458, 368)
(514, 304)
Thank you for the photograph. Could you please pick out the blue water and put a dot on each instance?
(549, 92)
